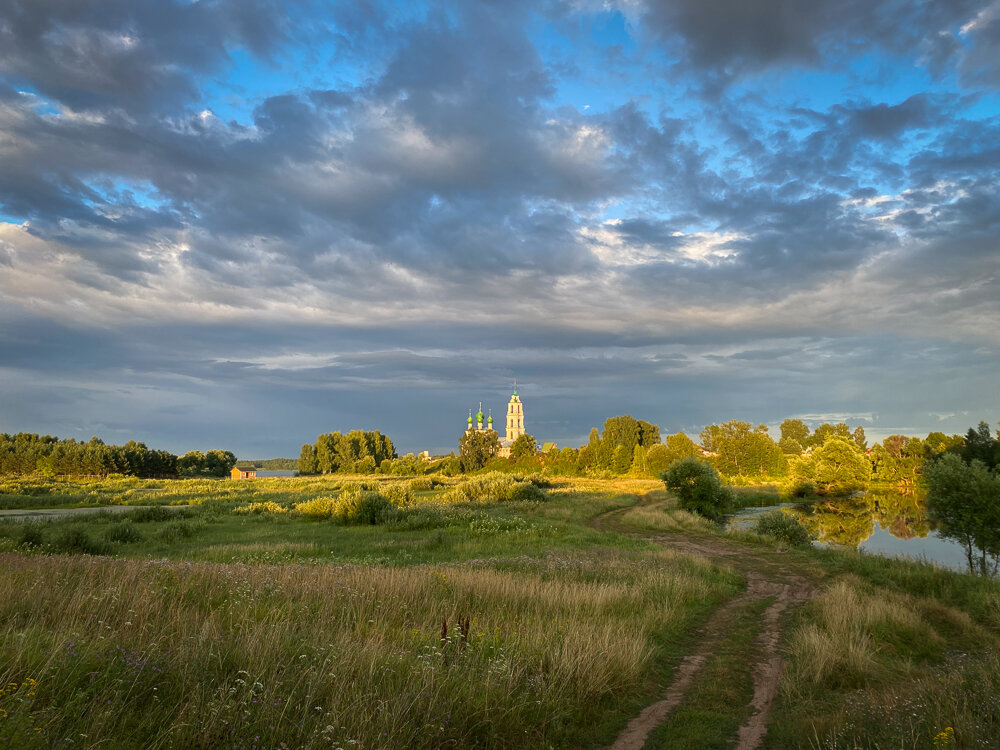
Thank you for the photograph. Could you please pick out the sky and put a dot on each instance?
(242, 223)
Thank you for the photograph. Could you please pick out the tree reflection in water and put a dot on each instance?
(851, 520)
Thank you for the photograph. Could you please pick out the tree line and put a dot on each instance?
(28, 453)
(357, 452)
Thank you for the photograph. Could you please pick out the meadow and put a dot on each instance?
(498, 614)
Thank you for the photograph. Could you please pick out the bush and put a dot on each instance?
(31, 536)
(400, 495)
(150, 514)
(495, 487)
(174, 532)
(362, 507)
(698, 488)
(124, 533)
(423, 484)
(784, 527)
(76, 541)
(254, 509)
(803, 489)
(352, 507)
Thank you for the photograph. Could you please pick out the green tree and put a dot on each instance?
(680, 446)
(307, 460)
(742, 450)
(625, 433)
(790, 446)
(980, 446)
(964, 500)
(698, 487)
(838, 466)
(658, 459)
(859, 437)
(795, 429)
(191, 463)
(885, 466)
(219, 463)
(523, 446)
(638, 467)
(826, 431)
(476, 447)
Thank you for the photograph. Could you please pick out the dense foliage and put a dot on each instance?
(698, 488)
(26, 453)
(476, 448)
(358, 451)
(743, 450)
(838, 466)
(964, 500)
(214, 463)
(613, 450)
(784, 527)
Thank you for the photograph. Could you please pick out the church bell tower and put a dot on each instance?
(515, 417)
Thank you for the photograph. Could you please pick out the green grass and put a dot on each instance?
(195, 626)
(199, 627)
(718, 702)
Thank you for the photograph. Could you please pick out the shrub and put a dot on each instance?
(423, 484)
(495, 487)
(698, 488)
(352, 506)
(76, 541)
(318, 507)
(784, 527)
(361, 507)
(400, 495)
(803, 489)
(254, 509)
(31, 536)
(174, 532)
(124, 533)
(150, 513)
(539, 480)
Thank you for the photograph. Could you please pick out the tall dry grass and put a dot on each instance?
(203, 655)
(870, 667)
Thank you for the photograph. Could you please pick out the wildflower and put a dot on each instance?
(945, 738)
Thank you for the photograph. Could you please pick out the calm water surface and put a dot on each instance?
(880, 522)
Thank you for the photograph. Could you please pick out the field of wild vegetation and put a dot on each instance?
(490, 611)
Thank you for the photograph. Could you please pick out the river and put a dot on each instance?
(879, 522)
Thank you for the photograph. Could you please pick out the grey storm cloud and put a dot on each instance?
(733, 37)
(443, 221)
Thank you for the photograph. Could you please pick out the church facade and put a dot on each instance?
(515, 422)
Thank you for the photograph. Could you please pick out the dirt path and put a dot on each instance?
(766, 579)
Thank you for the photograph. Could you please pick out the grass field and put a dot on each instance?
(456, 622)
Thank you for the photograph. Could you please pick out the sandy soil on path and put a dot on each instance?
(766, 578)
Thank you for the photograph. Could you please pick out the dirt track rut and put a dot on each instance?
(766, 579)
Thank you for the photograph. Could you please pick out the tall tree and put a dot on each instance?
(795, 429)
(964, 500)
(476, 448)
(838, 466)
(980, 446)
(307, 460)
(523, 446)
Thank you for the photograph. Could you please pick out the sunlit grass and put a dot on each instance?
(189, 654)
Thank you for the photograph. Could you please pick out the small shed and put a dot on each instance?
(243, 472)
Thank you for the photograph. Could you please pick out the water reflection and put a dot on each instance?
(881, 521)
(851, 520)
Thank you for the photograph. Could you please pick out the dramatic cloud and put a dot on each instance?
(241, 224)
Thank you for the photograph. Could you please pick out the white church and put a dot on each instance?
(515, 422)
